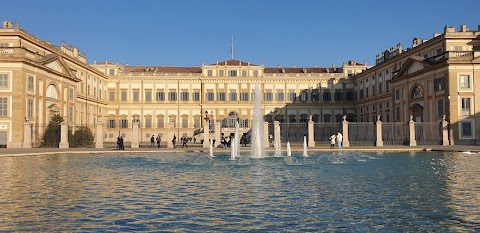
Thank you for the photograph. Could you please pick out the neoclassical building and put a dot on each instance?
(432, 79)
(37, 80)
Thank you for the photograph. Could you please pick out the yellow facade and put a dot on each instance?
(37, 80)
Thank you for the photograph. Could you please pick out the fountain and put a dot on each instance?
(305, 154)
(211, 148)
(277, 143)
(235, 143)
(257, 126)
(289, 150)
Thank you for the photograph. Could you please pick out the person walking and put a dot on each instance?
(184, 141)
(174, 140)
(332, 141)
(152, 141)
(158, 140)
(339, 140)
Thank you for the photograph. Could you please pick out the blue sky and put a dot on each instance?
(187, 33)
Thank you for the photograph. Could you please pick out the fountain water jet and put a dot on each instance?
(211, 148)
(305, 154)
(277, 143)
(235, 144)
(289, 150)
(257, 126)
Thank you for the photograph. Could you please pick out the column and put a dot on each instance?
(99, 136)
(135, 143)
(206, 134)
(27, 134)
(171, 134)
(64, 135)
(218, 133)
(445, 140)
(411, 124)
(378, 125)
(311, 134)
(346, 142)
(266, 136)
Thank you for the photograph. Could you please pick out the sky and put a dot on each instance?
(269, 33)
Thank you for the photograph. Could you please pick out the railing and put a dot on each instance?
(323, 131)
(18, 52)
(395, 133)
(362, 133)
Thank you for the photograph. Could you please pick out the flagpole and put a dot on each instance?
(231, 48)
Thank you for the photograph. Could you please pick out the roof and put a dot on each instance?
(233, 62)
(160, 69)
(302, 70)
(104, 63)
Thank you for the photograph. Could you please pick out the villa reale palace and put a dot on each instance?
(431, 81)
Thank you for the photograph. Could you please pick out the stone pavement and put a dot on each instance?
(196, 148)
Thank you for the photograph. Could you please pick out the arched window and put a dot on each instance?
(51, 92)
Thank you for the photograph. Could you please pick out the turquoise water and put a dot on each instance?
(384, 192)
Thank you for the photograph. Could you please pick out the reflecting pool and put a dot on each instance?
(335, 191)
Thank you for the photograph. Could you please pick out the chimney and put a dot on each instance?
(196, 65)
(415, 42)
(127, 65)
(315, 66)
(163, 65)
(294, 66)
(279, 66)
(463, 28)
(171, 65)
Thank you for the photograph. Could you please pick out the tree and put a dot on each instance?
(51, 137)
(83, 137)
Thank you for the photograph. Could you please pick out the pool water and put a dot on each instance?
(338, 191)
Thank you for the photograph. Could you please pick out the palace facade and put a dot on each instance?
(38, 80)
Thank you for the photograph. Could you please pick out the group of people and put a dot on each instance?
(120, 145)
(153, 139)
(338, 137)
(183, 139)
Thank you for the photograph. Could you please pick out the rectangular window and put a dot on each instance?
(338, 96)
(232, 96)
(397, 113)
(4, 45)
(464, 81)
(467, 128)
(136, 96)
(221, 96)
(111, 72)
(160, 96)
(380, 88)
(255, 73)
(70, 113)
(209, 73)
(439, 84)
(124, 96)
(268, 96)
(280, 96)
(111, 123)
(349, 96)
(303, 96)
(30, 108)
(244, 96)
(148, 96)
(148, 123)
(30, 84)
(184, 122)
(397, 94)
(291, 96)
(184, 96)
(327, 96)
(315, 96)
(361, 94)
(71, 94)
(221, 73)
(210, 96)
(440, 107)
(160, 122)
(172, 96)
(465, 106)
(111, 95)
(123, 123)
(4, 80)
(232, 73)
(244, 73)
(196, 96)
